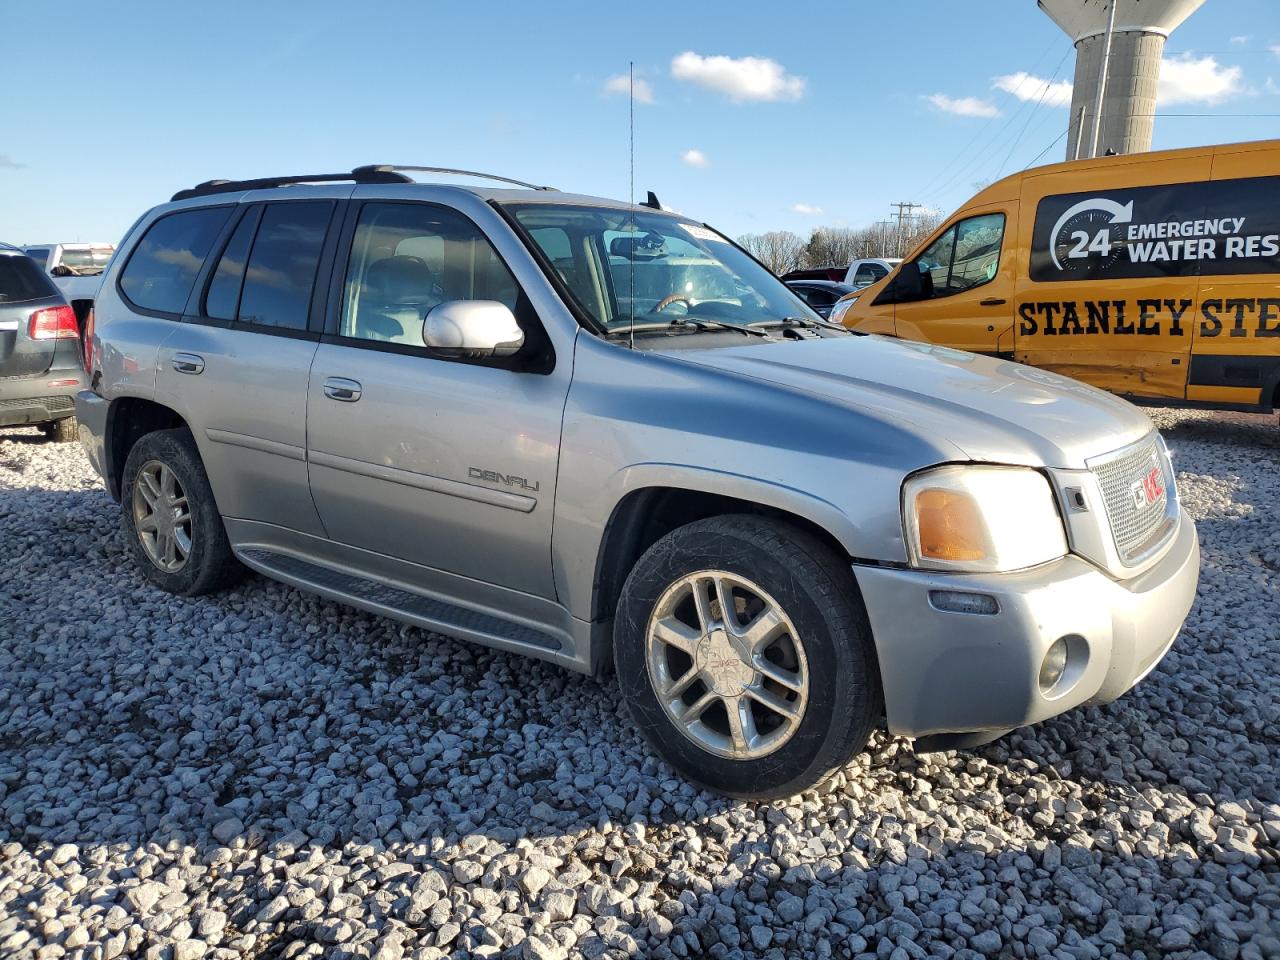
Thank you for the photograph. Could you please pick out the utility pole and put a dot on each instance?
(1102, 81)
(904, 217)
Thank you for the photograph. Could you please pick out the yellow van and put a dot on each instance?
(1153, 275)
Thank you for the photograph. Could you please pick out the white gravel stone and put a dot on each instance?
(232, 775)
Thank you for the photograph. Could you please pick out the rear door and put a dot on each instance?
(24, 289)
(1236, 351)
(1109, 293)
(237, 366)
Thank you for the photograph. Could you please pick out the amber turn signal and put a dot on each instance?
(951, 526)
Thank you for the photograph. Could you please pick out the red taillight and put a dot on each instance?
(88, 342)
(55, 323)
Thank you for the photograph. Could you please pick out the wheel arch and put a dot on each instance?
(648, 511)
(128, 420)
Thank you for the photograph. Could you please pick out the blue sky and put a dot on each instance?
(843, 109)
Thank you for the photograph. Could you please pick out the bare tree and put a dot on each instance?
(779, 250)
(831, 247)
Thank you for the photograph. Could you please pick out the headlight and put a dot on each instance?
(981, 519)
(841, 308)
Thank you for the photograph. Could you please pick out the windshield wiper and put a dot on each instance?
(698, 323)
(810, 322)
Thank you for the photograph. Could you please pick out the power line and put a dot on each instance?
(1056, 140)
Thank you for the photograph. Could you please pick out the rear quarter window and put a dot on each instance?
(163, 266)
(22, 279)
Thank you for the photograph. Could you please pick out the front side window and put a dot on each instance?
(163, 266)
(281, 271)
(621, 264)
(967, 255)
(407, 258)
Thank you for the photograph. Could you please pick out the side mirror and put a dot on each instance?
(911, 283)
(472, 329)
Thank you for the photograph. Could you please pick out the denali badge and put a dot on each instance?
(510, 480)
(1148, 490)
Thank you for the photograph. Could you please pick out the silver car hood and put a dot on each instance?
(993, 410)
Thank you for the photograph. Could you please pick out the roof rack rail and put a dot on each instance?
(385, 168)
(359, 175)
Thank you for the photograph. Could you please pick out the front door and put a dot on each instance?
(446, 463)
(968, 286)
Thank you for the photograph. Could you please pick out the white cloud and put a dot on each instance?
(740, 78)
(806, 209)
(1272, 87)
(621, 84)
(1026, 86)
(695, 158)
(963, 106)
(1275, 48)
(1188, 79)
(1242, 39)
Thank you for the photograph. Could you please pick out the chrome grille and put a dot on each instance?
(1138, 520)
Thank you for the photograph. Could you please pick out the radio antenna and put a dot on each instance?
(631, 97)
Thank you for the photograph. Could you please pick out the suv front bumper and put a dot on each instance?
(946, 672)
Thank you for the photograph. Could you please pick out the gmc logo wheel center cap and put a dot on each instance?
(718, 660)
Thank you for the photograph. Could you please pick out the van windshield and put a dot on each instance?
(656, 267)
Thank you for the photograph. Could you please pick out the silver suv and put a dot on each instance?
(603, 435)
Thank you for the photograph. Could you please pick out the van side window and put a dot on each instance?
(282, 265)
(163, 266)
(407, 258)
(966, 256)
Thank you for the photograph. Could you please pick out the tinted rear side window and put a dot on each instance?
(282, 265)
(164, 264)
(22, 279)
(224, 288)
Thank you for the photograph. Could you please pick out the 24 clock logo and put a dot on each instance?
(1090, 228)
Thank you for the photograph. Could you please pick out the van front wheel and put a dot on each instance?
(744, 656)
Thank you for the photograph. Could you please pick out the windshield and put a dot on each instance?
(615, 262)
(86, 262)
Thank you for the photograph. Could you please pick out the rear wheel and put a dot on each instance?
(744, 656)
(61, 431)
(170, 519)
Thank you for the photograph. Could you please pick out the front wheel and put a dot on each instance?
(745, 658)
(170, 519)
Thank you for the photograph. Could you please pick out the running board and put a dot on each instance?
(397, 603)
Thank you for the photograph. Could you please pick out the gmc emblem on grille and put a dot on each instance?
(1148, 490)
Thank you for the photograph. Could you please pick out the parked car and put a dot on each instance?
(864, 272)
(40, 369)
(76, 269)
(834, 274)
(391, 393)
(820, 295)
(1152, 275)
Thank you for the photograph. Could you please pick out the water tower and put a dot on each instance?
(1129, 36)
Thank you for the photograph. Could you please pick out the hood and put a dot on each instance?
(993, 410)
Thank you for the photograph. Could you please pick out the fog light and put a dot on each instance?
(1054, 665)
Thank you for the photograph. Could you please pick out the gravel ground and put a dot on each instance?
(265, 774)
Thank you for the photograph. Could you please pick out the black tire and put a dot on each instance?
(819, 594)
(61, 431)
(210, 564)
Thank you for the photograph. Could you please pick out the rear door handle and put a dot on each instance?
(188, 363)
(340, 388)
(992, 302)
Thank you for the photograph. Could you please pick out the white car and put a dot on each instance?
(76, 268)
(864, 272)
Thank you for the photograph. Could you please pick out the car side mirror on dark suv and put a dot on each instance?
(472, 330)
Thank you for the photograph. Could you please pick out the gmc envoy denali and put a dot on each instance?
(602, 434)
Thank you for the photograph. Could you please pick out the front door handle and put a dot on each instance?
(992, 302)
(188, 363)
(340, 388)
